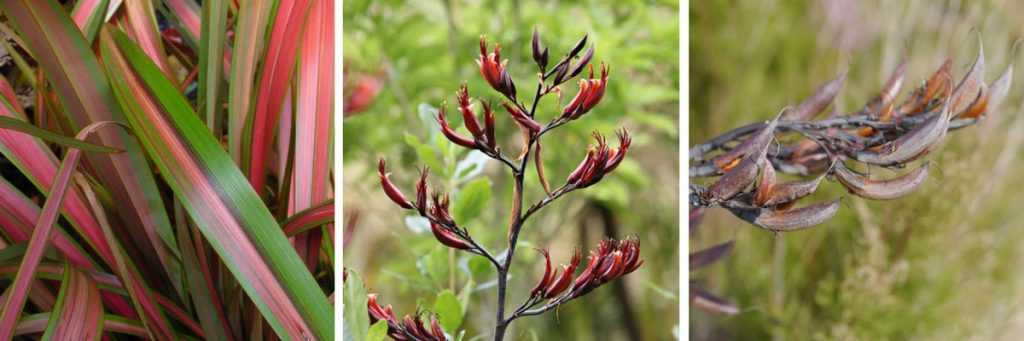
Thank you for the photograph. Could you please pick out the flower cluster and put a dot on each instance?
(612, 259)
(410, 327)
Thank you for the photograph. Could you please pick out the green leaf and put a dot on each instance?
(378, 332)
(46, 135)
(449, 311)
(471, 200)
(357, 320)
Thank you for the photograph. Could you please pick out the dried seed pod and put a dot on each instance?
(967, 90)
(740, 177)
(389, 187)
(707, 256)
(911, 145)
(816, 103)
(788, 220)
(709, 302)
(787, 192)
(923, 96)
(762, 137)
(862, 186)
(979, 107)
(766, 184)
(889, 92)
(1000, 88)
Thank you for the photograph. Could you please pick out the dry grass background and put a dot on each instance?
(942, 263)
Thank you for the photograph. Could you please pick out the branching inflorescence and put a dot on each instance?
(883, 133)
(612, 258)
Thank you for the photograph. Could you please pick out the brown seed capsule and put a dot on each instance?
(911, 145)
(922, 97)
(709, 302)
(740, 177)
(762, 137)
(816, 103)
(766, 184)
(967, 90)
(789, 220)
(1000, 88)
(862, 186)
(389, 187)
(707, 256)
(889, 91)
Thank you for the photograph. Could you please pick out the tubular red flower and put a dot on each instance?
(590, 94)
(451, 134)
(544, 280)
(618, 154)
(389, 187)
(436, 330)
(421, 191)
(492, 68)
(562, 283)
(489, 126)
(468, 116)
(520, 117)
(448, 238)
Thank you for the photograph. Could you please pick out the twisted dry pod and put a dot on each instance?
(865, 187)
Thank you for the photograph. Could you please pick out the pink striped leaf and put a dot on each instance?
(78, 314)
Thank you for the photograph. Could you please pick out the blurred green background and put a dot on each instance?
(402, 58)
(943, 263)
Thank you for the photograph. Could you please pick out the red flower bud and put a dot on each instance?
(520, 117)
(436, 330)
(451, 134)
(468, 116)
(590, 93)
(447, 237)
(421, 191)
(489, 126)
(493, 70)
(588, 273)
(390, 189)
(537, 290)
(440, 209)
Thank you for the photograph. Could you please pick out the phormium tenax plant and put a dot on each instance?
(841, 147)
(166, 170)
(610, 260)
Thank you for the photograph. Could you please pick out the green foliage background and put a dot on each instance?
(422, 51)
(942, 263)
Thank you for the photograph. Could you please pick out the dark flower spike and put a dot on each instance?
(492, 68)
(449, 132)
(468, 116)
(590, 93)
(389, 187)
(522, 118)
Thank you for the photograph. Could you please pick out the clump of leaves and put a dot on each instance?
(611, 260)
(883, 133)
(202, 202)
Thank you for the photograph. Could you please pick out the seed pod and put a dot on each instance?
(766, 184)
(922, 97)
(876, 106)
(778, 194)
(967, 90)
(911, 145)
(789, 220)
(978, 107)
(709, 302)
(448, 238)
(1000, 88)
(865, 187)
(707, 256)
(740, 177)
(816, 103)
(389, 187)
(762, 137)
